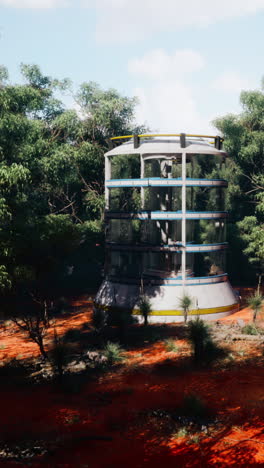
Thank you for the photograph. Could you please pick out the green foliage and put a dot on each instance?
(170, 345)
(185, 304)
(5, 280)
(249, 330)
(182, 432)
(198, 335)
(255, 302)
(109, 113)
(3, 75)
(205, 350)
(52, 183)
(252, 234)
(144, 308)
(113, 353)
(244, 141)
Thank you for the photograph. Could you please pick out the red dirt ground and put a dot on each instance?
(109, 424)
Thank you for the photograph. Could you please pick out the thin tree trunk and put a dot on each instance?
(42, 349)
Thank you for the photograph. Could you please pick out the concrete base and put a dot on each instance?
(210, 301)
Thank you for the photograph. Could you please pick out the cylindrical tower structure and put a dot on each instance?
(165, 227)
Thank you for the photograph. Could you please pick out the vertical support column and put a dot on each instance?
(107, 194)
(183, 240)
(142, 173)
(142, 196)
(107, 177)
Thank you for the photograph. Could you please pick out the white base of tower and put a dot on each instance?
(210, 301)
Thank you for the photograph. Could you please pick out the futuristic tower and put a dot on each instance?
(165, 227)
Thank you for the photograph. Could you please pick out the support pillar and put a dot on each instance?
(183, 223)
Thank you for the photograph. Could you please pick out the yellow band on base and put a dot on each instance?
(213, 310)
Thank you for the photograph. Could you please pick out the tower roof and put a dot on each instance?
(166, 145)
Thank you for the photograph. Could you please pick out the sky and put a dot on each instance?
(186, 61)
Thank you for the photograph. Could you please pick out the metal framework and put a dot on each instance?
(165, 150)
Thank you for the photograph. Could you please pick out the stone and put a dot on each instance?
(240, 323)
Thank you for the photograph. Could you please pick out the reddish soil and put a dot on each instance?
(112, 423)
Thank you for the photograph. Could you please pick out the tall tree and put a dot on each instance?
(244, 141)
(52, 181)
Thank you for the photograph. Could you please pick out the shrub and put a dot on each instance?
(249, 330)
(255, 302)
(182, 432)
(198, 335)
(145, 308)
(170, 345)
(113, 353)
(204, 349)
(185, 304)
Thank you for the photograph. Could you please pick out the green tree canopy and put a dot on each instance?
(244, 141)
(52, 180)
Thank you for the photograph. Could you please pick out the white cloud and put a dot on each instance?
(169, 106)
(167, 103)
(158, 64)
(231, 82)
(34, 4)
(128, 21)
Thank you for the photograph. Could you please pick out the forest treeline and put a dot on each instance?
(52, 185)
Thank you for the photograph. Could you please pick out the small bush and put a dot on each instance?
(255, 302)
(198, 336)
(145, 308)
(185, 304)
(170, 345)
(205, 350)
(182, 432)
(194, 439)
(249, 330)
(113, 353)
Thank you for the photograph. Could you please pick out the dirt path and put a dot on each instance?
(123, 420)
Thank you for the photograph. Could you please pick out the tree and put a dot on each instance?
(244, 141)
(35, 326)
(52, 184)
